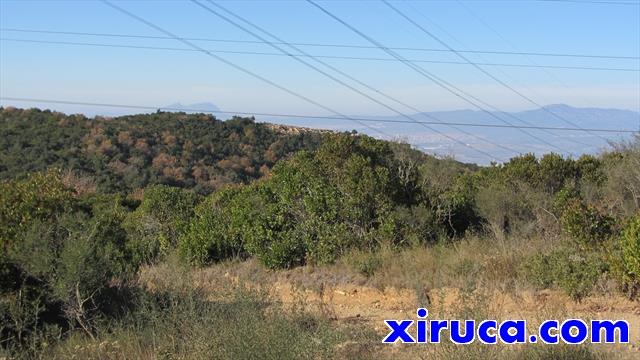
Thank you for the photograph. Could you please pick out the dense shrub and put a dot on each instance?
(313, 208)
(622, 187)
(555, 172)
(321, 204)
(505, 207)
(574, 272)
(448, 190)
(563, 199)
(364, 173)
(418, 225)
(154, 227)
(548, 174)
(39, 197)
(590, 170)
(627, 262)
(267, 227)
(60, 261)
(215, 232)
(586, 225)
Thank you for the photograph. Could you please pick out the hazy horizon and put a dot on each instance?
(409, 60)
(148, 76)
(492, 140)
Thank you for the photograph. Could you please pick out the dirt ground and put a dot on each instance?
(348, 299)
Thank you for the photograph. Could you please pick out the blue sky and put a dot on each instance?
(156, 78)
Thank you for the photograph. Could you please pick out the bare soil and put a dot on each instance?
(346, 298)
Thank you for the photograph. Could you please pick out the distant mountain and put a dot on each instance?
(191, 108)
(484, 138)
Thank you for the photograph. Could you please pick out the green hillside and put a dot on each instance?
(129, 153)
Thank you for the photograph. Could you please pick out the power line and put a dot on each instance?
(515, 48)
(438, 81)
(512, 116)
(284, 51)
(301, 116)
(371, 88)
(481, 69)
(493, 52)
(339, 57)
(233, 52)
(237, 67)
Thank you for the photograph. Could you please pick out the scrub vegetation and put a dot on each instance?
(86, 203)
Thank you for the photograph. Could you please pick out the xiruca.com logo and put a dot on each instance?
(569, 331)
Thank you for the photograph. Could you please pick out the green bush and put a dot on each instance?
(215, 232)
(324, 242)
(586, 225)
(555, 171)
(267, 227)
(418, 225)
(627, 262)
(38, 197)
(574, 272)
(154, 227)
(317, 206)
(590, 170)
(62, 264)
(446, 193)
(547, 174)
(563, 199)
(505, 207)
(314, 208)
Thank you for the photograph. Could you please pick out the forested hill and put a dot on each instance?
(128, 153)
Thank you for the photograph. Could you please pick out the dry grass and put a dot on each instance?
(473, 262)
(474, 278)
(176, 318)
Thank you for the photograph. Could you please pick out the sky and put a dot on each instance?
(152, 77)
